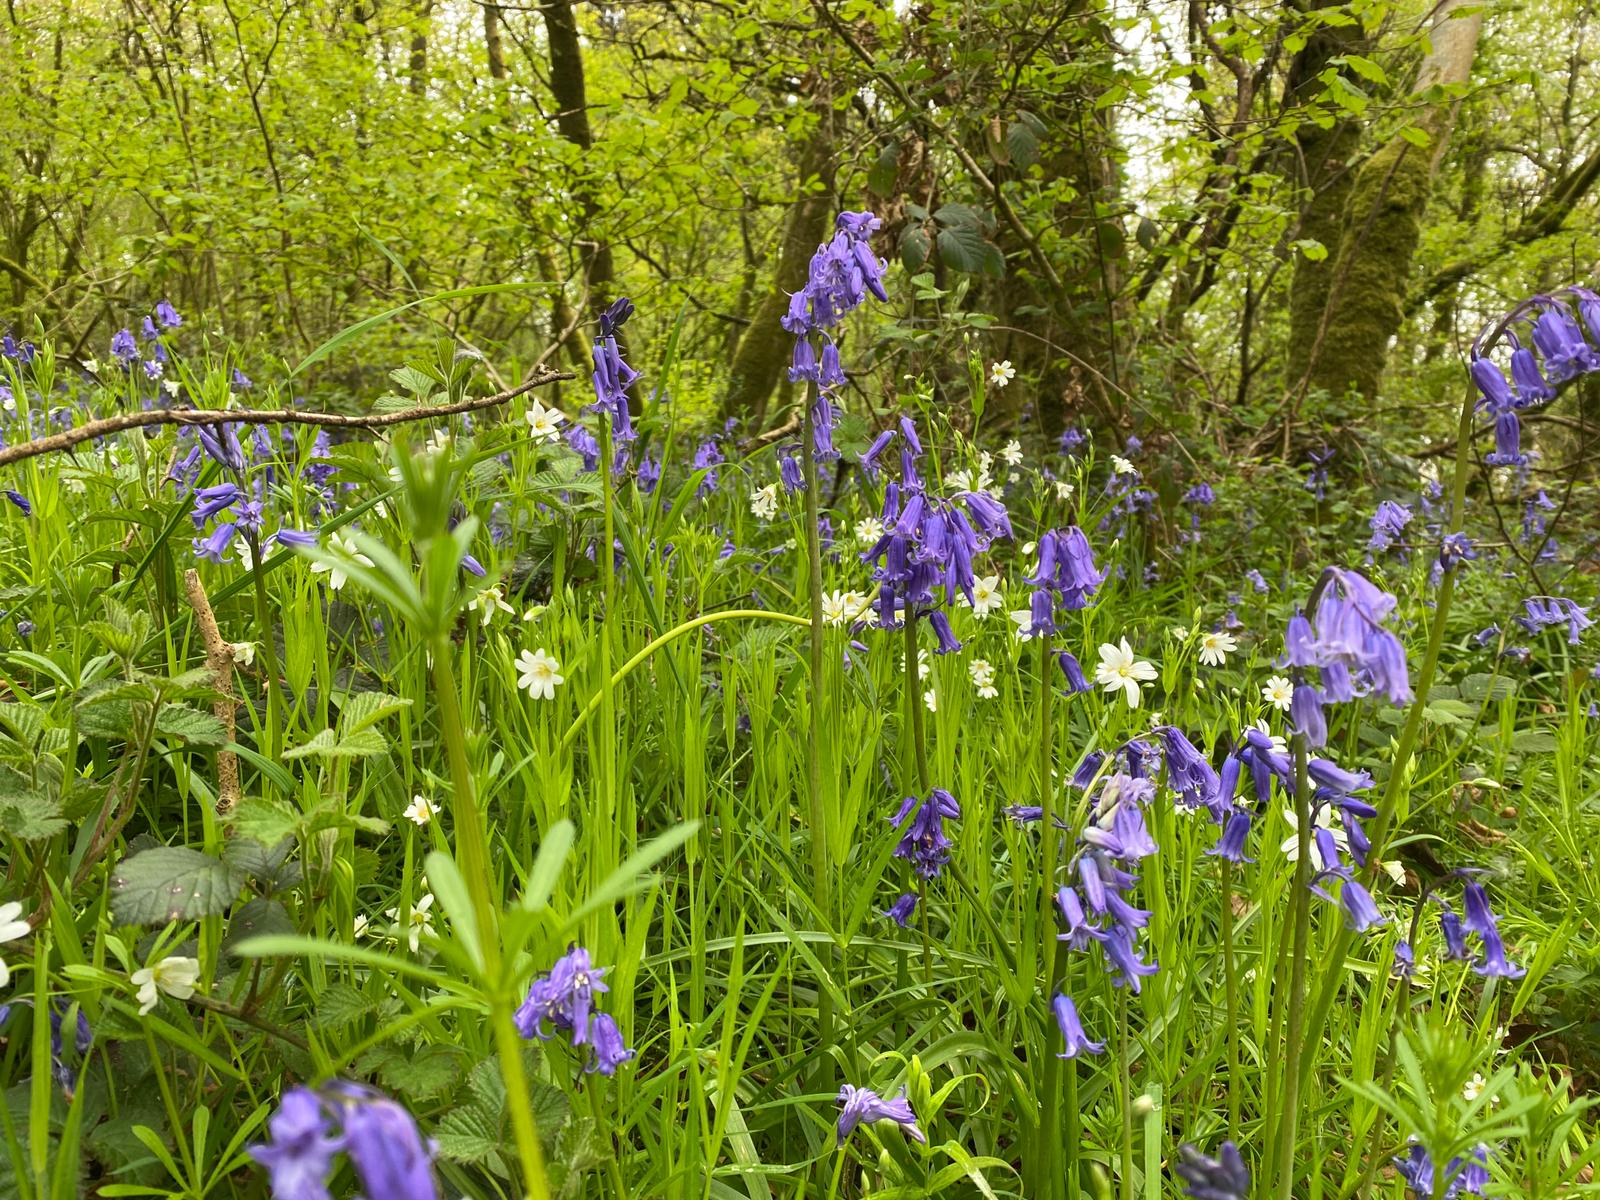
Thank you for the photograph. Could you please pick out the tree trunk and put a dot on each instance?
(570, 91)
(1323, 158)
(1383, 224)
(418, 67)
(764, 350)
(493, 46)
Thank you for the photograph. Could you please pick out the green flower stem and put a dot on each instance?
(671, 635)
(1333, 972)
(472, 856)
(277, 712)
(606, 561)
(817, 813)
(1230, 976)
(1300, 909)
(1050, 1119)
(1125, 1086)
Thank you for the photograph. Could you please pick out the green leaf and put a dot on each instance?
(191, 725)
(28, 812)
(1022, 144)
(265, 821)
(364, 743)
(1533, 741)
(172, 883)
(359, 710)
(342, 1005)
(414, 381)
(428, 1072)
(258, 916)
(885, 170)
(1313, 250)
(915, 245)
(964, 248)
(468, 1134)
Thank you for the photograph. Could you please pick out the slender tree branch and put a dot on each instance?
(69, 438)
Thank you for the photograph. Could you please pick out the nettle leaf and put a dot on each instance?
(266, 822)
(359, 710)
(363, 743)
(468, 1134)
(29, 812)
(964, 248)
(191, 725)
(258, 918)
(414, 381)
(429, 1072)
(342, 1006)
(172, 883)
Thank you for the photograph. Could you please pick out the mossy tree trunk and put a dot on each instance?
(1365, 298)
(764, 349)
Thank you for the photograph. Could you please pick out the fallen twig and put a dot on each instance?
(69, 438)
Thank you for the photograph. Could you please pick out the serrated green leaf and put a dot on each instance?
(341, 1006)
(191, 725)
(265, 821)
(172, 883)
(360, 710)
(468, 1134)
(28, 812)
(429, 1072)
(363, 743)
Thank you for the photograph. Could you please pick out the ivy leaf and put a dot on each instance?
(172, 883)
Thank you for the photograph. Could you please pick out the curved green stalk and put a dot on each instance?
(670, 635)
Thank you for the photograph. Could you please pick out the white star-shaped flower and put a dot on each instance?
(1120, 671)
(537, 674)
(176, 976)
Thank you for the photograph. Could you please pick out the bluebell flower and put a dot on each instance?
(1074, 1039)
(1455, 937)
(1558, 338)
(1359, 906)
(1190, 776)
(607, 1049)
(863, 1106)
(612, 377)
(1455, 549)
(1257, 581)
(1077, 929)
(167, 316)
(1222, 1178)
(1350, 637)
(1317, 482)
(1469, 1175)
(304, 1142)
(124, 348)
(20, 501)
(1305, 711)
(1201, 494)
(901, 910)
(924, 844)
(221, 444)
(1235, 835)
(1073, 671)
(1481, 921)
(562, 999)
(215, 544)
(388, 1151)
(1388, 525)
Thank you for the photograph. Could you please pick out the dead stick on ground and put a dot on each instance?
(90, 430)
(219, 661)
